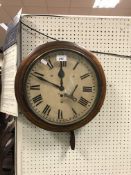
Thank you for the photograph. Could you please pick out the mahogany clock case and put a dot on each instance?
(43, 50)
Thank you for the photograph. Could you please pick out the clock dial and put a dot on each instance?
(55, 105)
(61, 87)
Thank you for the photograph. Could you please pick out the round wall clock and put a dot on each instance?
(60, 86)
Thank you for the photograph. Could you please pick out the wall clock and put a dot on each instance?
(60, 86)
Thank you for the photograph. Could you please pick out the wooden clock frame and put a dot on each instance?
(44, 49)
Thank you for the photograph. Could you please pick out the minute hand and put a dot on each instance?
(43, 79)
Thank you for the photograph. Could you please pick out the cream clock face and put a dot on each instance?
(61, 87)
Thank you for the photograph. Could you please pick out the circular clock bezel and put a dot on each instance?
(47, 48)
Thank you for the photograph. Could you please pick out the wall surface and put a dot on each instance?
(103, 147)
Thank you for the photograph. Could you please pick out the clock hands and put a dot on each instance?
(43, 79)
(61, 88)
(61, 75)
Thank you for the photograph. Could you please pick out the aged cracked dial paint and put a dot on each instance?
(60, 86)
